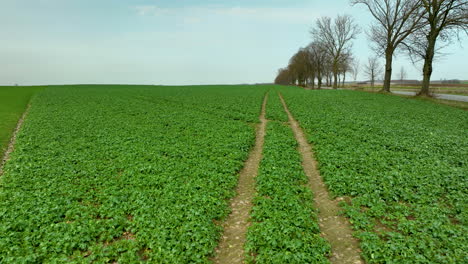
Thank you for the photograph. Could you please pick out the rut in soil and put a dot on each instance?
(333, 226)
(11, 144)
(231, 247)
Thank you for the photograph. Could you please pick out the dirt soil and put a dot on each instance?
(231, 247)
(334, 227)
(11, 144)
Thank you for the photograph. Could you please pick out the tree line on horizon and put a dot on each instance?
(417, 28)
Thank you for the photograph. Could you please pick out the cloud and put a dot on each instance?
(149, 10)
(194, 14)
(294, 15)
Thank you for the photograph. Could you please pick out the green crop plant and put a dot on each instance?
(284, 223)
(13, 102)
(125, 174)
(274, 108)
(402, 163)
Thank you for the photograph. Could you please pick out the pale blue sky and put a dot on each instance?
(172, 42)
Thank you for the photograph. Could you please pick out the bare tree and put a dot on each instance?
(311, 68)
(344, 67)
(327, 69)
(372, 69)
(443, 20)
(396, 20)
(336, 37)
(355, 68)
(301, 67)
(402, 75)
(318, 57)
(284, 77)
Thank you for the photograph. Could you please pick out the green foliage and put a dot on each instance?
(13, 101)
(125, 173)
(274, 109)
(403, 162)
(284, 228)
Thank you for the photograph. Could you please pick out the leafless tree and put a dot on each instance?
(319, 57)
(443, 21)
(336, 36)
(372, 69)
(284, 77)
(327, 69)
(402, 74)
(345, 67)
(311, 68)
(355, 68)
(301, 67)
(396, 20)
(297, 68)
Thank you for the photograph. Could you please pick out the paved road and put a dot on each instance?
(453, 97)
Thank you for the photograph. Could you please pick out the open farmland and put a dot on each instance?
(124, 174)
(145, 174)
(400, 164)
(285, 228)
(13, 102)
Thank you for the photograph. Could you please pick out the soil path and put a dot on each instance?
(11, 144)
(231, 247)
(334, 227)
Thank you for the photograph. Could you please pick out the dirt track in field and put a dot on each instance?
(334, 227)
(231, 247)
(11, 144)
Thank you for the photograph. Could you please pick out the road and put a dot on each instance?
(453, 97)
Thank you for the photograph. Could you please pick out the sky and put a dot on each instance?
(175, 42)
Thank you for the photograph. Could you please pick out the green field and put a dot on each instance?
(143, 174)
(13, 101)
(401, 163)
(285, 228)
(124, 173)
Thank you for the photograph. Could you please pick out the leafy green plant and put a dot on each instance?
(274, 108)
(13, 102)
(284, 224)
(125, 173)
(402, 162)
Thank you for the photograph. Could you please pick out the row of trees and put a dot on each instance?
(328, 57)
(418, 27)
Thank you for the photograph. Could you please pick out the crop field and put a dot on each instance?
(402, 166)
(285, 228)
(13, 101)
(145, 174)
(124, 174)
(284, 223)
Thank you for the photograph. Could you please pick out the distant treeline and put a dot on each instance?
(417, 27)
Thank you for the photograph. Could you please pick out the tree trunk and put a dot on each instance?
(319, 79)
(427, 69)
(313, 80)
(335, 80)
(344, 78)
(388, 69)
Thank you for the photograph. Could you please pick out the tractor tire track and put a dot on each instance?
(11, 144)
(231, 247)
(334, 227)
